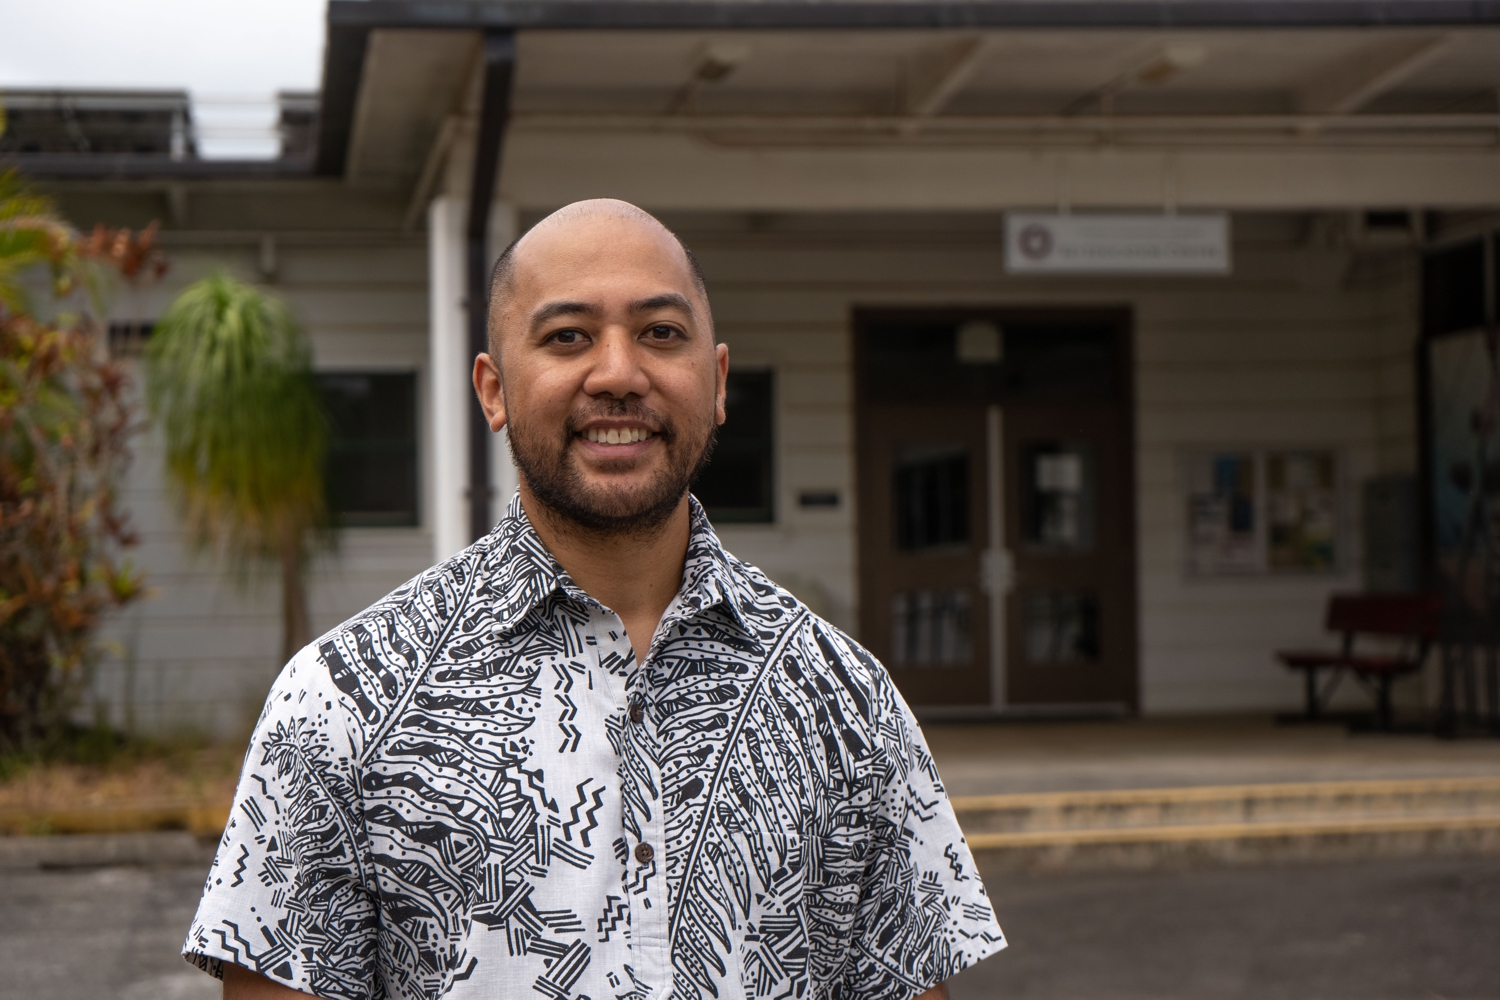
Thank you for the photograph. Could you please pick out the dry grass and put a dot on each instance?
(142, 789)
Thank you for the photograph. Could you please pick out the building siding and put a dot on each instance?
(200, 652)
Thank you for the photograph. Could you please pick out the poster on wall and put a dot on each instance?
(1222, 531)
(1302, 507)
(1464, 465)
(1252, 511)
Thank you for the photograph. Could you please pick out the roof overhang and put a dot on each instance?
(400, 83)
(352, 22)
(132, 167)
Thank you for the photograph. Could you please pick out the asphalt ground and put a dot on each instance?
(1418, 928)
(1379, 930)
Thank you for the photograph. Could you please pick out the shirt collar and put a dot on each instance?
(518, 573)
(711, 577)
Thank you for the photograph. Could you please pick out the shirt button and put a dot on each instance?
(644, 853)
(637, 711)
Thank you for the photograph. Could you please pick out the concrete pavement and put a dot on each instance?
(1408, 929)
(99, 934)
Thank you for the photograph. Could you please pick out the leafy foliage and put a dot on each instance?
(65, 425)
(229, 382)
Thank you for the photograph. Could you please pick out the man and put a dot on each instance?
(593, 755)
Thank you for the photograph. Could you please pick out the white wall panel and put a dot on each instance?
(200, 652)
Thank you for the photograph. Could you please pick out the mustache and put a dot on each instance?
(622, 409)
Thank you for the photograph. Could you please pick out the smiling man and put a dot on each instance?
(593, 755)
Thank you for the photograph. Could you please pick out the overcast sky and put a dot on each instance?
(226, 52)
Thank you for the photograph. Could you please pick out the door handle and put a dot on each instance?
(997, 571)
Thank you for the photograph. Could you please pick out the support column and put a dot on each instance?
(449, 389)
(471, 472)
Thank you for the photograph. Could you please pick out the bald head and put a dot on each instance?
(579, 222)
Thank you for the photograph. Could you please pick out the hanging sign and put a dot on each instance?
(1038, 243)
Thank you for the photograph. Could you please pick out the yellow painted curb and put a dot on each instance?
(1232, 831)
(1211, 793)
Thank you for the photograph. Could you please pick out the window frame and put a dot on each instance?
(414, 440)
(766, 514)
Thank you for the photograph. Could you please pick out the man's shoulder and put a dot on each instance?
(373, 656)
(808, 650)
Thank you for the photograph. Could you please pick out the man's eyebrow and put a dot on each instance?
(666, 300)
(552, 310)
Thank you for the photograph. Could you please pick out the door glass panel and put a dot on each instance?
(1057, 495)
(931, 485)
(932, 628)
(1061, 627)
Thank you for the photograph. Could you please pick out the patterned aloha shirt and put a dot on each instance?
(472, 789)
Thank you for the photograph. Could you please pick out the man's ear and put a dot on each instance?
(491, 391)
(721, 378)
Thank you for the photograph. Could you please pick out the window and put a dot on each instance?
(961, 359)
(931, 499)
(127, 339)
(372, 447)
(737, 486)
(1453, 289)
(1061, 626)
(1057, 495)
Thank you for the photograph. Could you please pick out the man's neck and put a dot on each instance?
(634, 575)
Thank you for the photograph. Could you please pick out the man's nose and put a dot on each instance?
(617, 369)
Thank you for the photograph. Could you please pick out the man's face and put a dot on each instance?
(609, 379)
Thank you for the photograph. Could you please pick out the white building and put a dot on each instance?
(1027, 489)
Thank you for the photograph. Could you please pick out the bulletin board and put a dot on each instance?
(1256, 511)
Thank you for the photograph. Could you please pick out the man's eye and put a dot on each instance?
(661, 332)
(566, 337)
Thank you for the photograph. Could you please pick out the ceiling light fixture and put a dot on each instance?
(716, 60)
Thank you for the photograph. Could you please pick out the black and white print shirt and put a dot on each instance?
(472, 790)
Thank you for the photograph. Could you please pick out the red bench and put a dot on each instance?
(1412, 618)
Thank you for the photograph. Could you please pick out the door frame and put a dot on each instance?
(1122, 318)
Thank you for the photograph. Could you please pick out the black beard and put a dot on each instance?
(546, 465)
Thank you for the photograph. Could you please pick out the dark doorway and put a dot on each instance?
(996, 499)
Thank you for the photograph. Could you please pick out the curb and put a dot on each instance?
(97, 850)
(1226, 793)
(1152, 828)
(1154, 850)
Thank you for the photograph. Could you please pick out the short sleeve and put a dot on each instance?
(923, 914)
(287, 896)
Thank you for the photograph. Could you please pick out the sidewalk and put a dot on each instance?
(995, 758)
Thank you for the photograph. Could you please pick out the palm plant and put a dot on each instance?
(229, 382)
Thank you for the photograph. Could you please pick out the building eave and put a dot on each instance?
(351, 21)
(125, 166)
(904, 14)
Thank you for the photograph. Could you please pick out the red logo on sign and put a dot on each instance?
(1035, 241)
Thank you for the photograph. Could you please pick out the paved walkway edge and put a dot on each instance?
(94, 850)
(1140, 850)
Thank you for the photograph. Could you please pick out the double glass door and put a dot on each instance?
(925, 608)
(996, 535)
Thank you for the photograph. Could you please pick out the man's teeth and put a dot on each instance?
(616, 435)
